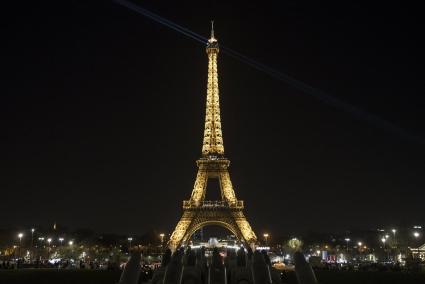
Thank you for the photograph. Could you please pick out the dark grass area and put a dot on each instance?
(330, 277)
(50, 276)
(53, 276)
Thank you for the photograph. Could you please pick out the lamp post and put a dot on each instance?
(61, 240)
(383, 240)
(129, 243)
(162, 240)
(417, 235)
(266, 237)
(32, 237)
(49, 240)
(347, 240)
(20, 235)
(32, 241)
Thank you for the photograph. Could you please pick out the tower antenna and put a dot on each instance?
(212, 28)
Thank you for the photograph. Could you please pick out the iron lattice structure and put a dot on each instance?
(227, 212)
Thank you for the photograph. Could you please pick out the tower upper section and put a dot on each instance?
(213, 137)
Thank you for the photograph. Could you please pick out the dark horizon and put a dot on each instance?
(103, 114)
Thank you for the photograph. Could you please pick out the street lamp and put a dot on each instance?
(49, 240)
(32, 240)
(61, 240)
(416, 235)
(70, 243)
(347, 240)
(266, 236)
(384, 240)
(32, 236)
(20, 235)
(129, 241)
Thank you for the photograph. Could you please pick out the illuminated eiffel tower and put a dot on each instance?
(227, 212)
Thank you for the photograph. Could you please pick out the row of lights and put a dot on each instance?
(49, 240)
(265, 235)
(130, 239)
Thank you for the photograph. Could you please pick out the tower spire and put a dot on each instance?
(213, 138)
(212, 30)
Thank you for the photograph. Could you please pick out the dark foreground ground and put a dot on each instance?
(47, 276)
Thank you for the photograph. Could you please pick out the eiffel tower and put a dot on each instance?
(198, 212)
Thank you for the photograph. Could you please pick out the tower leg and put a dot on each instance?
(180, 230)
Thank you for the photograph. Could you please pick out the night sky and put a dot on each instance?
(102, 113)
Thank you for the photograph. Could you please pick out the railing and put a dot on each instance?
(208, 204)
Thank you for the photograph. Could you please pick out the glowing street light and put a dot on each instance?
(70, 243)
(49, 240)
(347, 240)
(20, 235)
(61, 240)
(129, 241)
(359, 244)
(266, 237)
(416, 235)
(32, 236)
